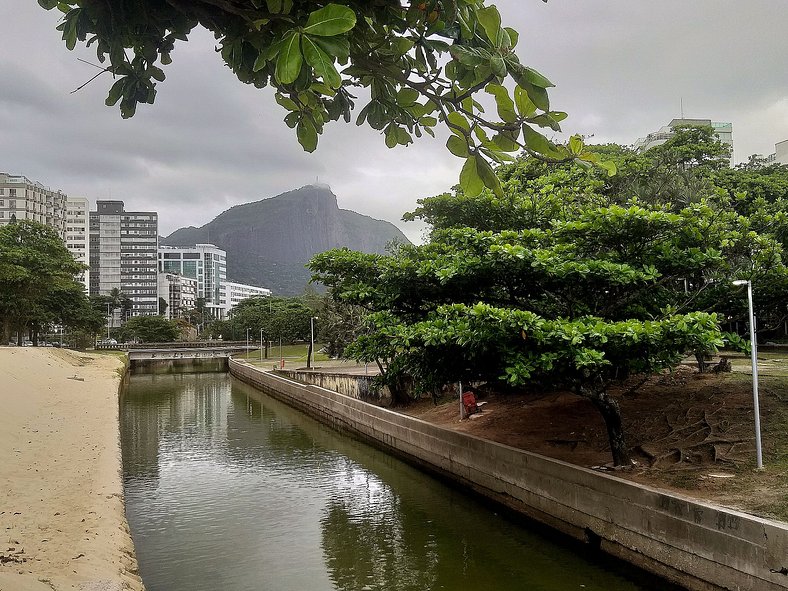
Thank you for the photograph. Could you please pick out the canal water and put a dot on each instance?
(229, 490)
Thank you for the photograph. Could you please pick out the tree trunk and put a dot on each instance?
(399, 392)
(396, 385)
(700, 357)
(611, 413)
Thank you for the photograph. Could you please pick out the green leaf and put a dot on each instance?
(609, 166)
(503, 101)
(321, 62)
(488, 176)
(156, 73)
(576, 144)
(391, 136)
(332, 19)
(116, 92)
(292, 119)
(525, 105)
(286, 102)
(457, 120)
(457, 146)
(514, 37)
(279, 6)
(403, 137)
(470, 181)
(288, 64)
(47, 4)
(536, 141)
(339, 47)
(407, 96)
(490, 20)
(306, 134)
(403, 45)
(505, 141)
(539, 96)
(537, 79)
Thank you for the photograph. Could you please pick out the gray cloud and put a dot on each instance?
(620, 68)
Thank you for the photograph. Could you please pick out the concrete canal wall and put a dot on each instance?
(355, 386)
(697, 545)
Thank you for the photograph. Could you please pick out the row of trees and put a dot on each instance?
(573, 279)
(39, 290)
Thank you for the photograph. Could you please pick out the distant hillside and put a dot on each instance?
(268, 242)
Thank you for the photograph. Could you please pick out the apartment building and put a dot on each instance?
(207, 263)
(179, 292)
(235, 293)
(123, 246)
(23, 199)
(77, 232)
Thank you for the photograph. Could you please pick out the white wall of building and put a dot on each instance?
(77, 234)
(235, 293)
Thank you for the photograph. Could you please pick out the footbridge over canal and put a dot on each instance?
(181, 357)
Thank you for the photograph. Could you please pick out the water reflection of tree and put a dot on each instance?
(370, 542)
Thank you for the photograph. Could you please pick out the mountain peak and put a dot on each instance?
(268, 242)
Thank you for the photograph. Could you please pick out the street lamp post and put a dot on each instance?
(261, 345)
(247, 341)
(312, 341)
(754, 358)
(109, 319)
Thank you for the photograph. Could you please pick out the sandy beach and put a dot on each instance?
(61, 495)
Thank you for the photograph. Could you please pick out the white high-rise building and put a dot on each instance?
(207, 263)
(23, 199)
(77, 234)
(723, 131)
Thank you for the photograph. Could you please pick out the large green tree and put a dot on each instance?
(565, 281)
(37, 281)
(150, 329)
(421, 63)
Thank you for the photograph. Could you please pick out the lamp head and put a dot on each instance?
(740, 282)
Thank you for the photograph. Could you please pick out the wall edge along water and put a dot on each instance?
(697, 545)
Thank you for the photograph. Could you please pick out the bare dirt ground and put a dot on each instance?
(688, 432)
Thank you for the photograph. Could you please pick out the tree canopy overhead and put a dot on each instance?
(424, 63)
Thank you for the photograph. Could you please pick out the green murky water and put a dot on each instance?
(229, 490)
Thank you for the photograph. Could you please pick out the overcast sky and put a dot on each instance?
(621, 70)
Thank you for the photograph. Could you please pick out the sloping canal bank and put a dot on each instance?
(697, 545)
(61, 497)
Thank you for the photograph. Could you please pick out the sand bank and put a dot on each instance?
(62, 522)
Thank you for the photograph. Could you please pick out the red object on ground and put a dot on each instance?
(469, 402)
(282, 362)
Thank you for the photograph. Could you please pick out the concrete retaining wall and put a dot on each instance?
(697, 545)
(355, 386)
(179, 365)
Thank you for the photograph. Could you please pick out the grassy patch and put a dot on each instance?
(290, 353)
(122, 356)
